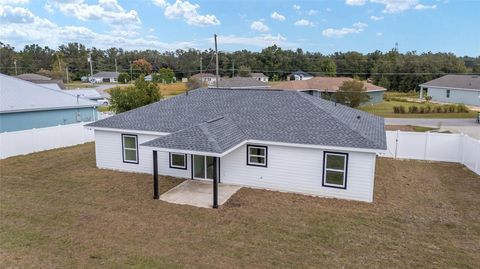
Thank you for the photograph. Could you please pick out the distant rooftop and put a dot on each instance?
(204, 75)
(32, 77)
(106, 75)
(329, 84)
(241, 82)
(471, 82)
(258, 75)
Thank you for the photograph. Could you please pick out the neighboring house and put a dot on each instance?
(45, 81)
(463, 89)
(25, 105)
(148, 78)
(206, 78)
(90, 94)
(300, 75)
(99, 77)
(259, 76)
(326, 87)
(241, 83)
(270, 139)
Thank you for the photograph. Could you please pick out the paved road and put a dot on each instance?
(466, 126)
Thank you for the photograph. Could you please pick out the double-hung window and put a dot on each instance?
(178, 160)
(130, 148)
(335, 170)
(448, 93)
(257, 155)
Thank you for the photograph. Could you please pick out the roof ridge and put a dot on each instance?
(303, 95)
(209, 136)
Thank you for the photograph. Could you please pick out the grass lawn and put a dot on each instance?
(59, 211)
(172, 89)
(385, 109)
(409, 128)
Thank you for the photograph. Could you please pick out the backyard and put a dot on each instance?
(59, 211)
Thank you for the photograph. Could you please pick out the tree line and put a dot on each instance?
(392, 70)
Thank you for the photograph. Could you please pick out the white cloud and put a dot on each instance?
(259, 26)
(393, 6)
(376, 18)
(312, 12)
(14, 2)
(355, 2)
(379, 33)
(355, 29)
(189, 12)
(160, 3)
(296, 7)
(277, 16)
(420, 7)
(109, 11)
(27, 28)
(262, 41)
(303, 22)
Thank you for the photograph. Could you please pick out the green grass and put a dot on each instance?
(57, 210)
(385, 109)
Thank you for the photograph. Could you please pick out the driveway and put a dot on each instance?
(198, 193)
(466, 126)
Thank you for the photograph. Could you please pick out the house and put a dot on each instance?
(45, 81)
(109, 77)
(299, 75)
(241, 83)
(90, 94)
(206, 78)
(326, 87)
(463, 89)
(25, 105)
(259, 76)
(270, 139)
(148, 78)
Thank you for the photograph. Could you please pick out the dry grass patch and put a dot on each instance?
(172, 89)
(59, 211)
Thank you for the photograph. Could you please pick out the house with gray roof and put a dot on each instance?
(25, 105)
(259, 76)
(463, 89)
(43, 80)
(260, 138)
(109, 77)
(241, 83)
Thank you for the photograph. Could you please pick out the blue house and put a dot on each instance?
(25, 105)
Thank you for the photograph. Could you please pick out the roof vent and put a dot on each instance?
(358, 117)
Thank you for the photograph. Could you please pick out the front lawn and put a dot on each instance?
(59, 211)
(385, 109)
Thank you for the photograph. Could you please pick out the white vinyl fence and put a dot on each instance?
(457, 148)
(33, 140)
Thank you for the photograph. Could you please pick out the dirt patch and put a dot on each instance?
(59, 211)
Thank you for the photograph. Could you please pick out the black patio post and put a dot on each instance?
(156, 194)
(215, 183)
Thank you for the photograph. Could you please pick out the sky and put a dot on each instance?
(317, 26)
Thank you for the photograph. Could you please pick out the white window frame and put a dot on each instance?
(125, 148)
(265, 149)
(344, 170)
(178, 166)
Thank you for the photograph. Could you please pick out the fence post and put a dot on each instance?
(462, 146)
(396, 145)
(427, 145)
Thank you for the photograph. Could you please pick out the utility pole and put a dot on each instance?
(201, 64)
(66, 71)
(216, 60)
(116, 65)
(131, 76)
(233, 68)
(90, 61)
(15, 63)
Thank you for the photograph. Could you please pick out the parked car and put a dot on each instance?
(103, 102)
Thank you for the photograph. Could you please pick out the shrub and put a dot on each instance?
(461, 108)
(428, 109)
(396, 109)
(438, 109)
(123, 78)
(428, 98)
(451, 108)
(402, 109)
(422, 109)
(445, 109)
(414, 109)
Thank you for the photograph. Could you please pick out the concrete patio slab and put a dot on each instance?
(198, 193)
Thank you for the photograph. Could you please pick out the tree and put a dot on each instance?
(194, 83)
(141, 67)
(123, 77)
(140, 94)
(244, 71)
(165, 75)
(352, 93)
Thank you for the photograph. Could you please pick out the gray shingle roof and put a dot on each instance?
(471, 82)
(17, 95)
(270, 115)
(241, 82)
(106, 75)
(216, 135)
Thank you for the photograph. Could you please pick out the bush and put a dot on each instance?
(428, 98)
(422, 109)
(438, 109)
(402, 109)
(123, 78)
(140, 94)
(396, 109)
(461, 108)
(428, 109)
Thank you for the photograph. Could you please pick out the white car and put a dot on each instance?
(103, 102)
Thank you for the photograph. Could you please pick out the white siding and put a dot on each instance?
(300, 170)
(108, 148)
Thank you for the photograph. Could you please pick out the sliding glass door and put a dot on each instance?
(203, 167)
